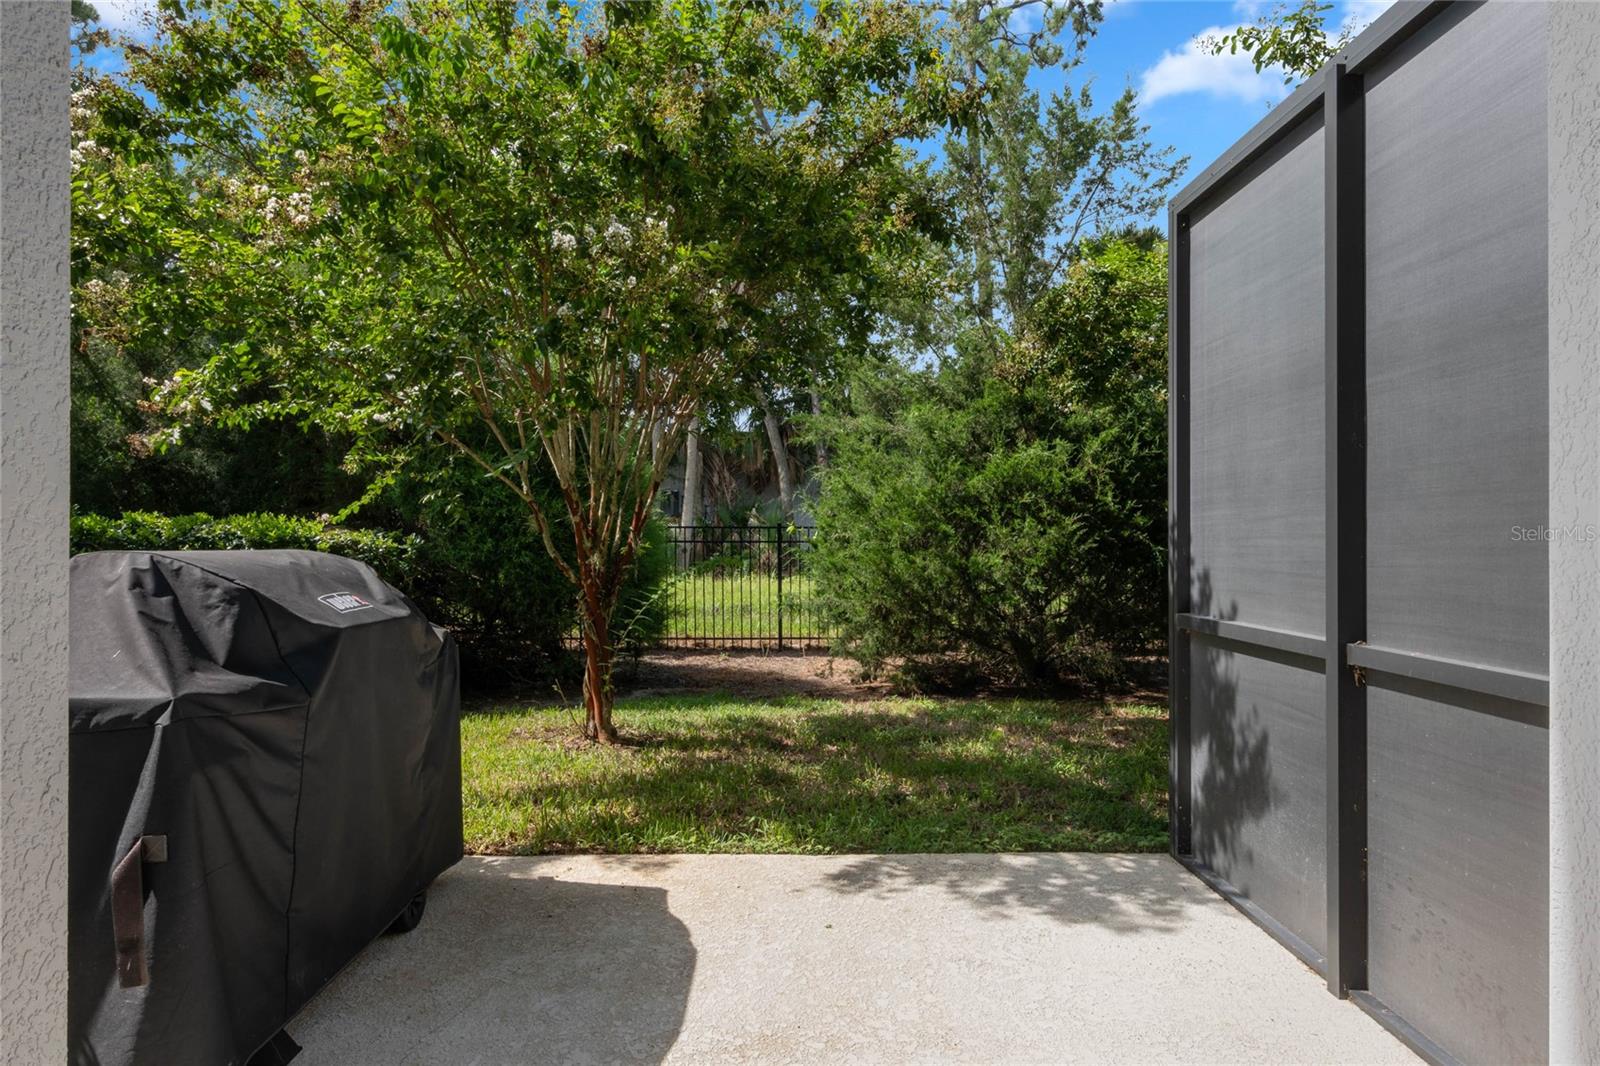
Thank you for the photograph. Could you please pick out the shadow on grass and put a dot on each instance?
(712, 774)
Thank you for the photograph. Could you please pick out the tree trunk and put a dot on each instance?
(598, 696)
(780, 459)
(975, 189)
(690, 515)
(816, 412)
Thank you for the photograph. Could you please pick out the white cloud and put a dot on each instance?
(1024, 20)
(1193, 69)
(131, 17)
(1358, 14)
(1354, 15)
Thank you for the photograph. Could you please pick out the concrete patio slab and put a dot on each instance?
(812, 959)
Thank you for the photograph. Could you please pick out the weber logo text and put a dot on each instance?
(345, 602)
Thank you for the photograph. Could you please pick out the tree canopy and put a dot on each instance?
(545, 235)
(520, 248)
(1032, 177)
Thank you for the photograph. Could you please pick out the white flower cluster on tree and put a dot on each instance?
(617, 235)
(295, 209)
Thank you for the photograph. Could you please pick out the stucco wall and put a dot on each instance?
(1574, 250)
(34, 222)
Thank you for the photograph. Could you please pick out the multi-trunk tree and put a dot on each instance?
(1033, 177)
(570, 222)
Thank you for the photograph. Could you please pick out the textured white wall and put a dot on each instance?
(1574, 250)
(34, 224)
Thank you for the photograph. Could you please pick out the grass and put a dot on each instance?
(723, 774)
(707, 604)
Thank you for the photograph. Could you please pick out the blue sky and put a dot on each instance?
(1198, 103)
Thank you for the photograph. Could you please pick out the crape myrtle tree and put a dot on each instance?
(150, 292)
(616, 196)
(172, 264)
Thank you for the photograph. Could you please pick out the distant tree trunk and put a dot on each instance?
(690, 514)
(780, 458)
(982, 241)
(816, 412)
(689, 511)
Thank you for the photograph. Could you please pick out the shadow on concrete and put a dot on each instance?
(512, 968)
(1255, 732)
(1126, 894)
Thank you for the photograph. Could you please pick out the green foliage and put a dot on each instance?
(577, 224)
(1008, 506)
(485, 565)
(157, 289)
(1001, 514)
(1032, 178)
(645, 604)
(487, 569)
(477, 567)
(1294, 39)
(394, 557)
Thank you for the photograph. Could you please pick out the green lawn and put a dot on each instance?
(717, 773)
(710, 603)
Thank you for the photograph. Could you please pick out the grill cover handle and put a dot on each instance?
(127, 909)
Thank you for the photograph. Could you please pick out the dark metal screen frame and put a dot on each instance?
(1338, 93)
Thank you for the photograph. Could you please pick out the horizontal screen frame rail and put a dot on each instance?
(1312, 647)
(1517, 685)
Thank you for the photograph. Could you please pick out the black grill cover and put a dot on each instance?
(289, 724)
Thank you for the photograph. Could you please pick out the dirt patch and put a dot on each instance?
(767, 674)
(758, 674)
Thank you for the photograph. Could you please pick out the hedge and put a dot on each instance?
(392, 555)
(497, 590)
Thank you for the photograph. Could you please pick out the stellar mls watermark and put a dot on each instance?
(1584, 534)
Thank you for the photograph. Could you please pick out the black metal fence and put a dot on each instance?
(743, 586)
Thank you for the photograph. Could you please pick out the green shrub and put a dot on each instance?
(486, 568)
(392, 555)
(642, 610)
(1004, 513)
(475, 566)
